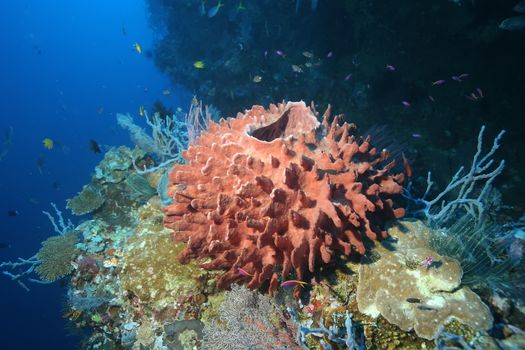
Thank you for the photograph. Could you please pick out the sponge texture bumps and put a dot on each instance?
(278, 191)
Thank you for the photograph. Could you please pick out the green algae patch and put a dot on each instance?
(151, 270)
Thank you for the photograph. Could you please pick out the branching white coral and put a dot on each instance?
(169, 134)
(470, 189)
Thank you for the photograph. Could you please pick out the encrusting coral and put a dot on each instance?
(275, 190)
(415, 296)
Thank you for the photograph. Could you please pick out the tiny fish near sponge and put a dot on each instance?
(277, 191)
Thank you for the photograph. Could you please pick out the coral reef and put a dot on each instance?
(140, 189)
(487, 253)
(276, 189)
(168, 138)
(55, 256)
(116, 187)
(129, 291)
(472, 189)
(415, 296)
(87, 201)
(147, 269)
(116, 164)
(250, 320)
(51, 262)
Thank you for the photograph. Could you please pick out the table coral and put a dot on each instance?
(275, 190)
(86, 201)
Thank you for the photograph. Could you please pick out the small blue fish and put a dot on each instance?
(215, 9)
(425, 308)
(459, 78)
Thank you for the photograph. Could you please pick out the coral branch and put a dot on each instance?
(29, 265)
(470, 189)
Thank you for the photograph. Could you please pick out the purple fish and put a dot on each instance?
(329, 55)
(459, 78)
(265, 53)
(244, 272)
(348, 77)
(390, 67)
(480, 93)
(471, 97)
(279, 53)
(406, 103)
(431, 98)
(417, 136)
(293, 283)
(429, 260)
(438, 82)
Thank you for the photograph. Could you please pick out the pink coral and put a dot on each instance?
(275, 190)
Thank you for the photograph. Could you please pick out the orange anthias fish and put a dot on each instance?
(408, 169)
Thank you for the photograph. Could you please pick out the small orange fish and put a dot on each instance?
(408, 169)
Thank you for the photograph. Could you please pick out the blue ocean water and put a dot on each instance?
(67, 67)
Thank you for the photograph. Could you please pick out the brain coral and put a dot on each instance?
(275, 190)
